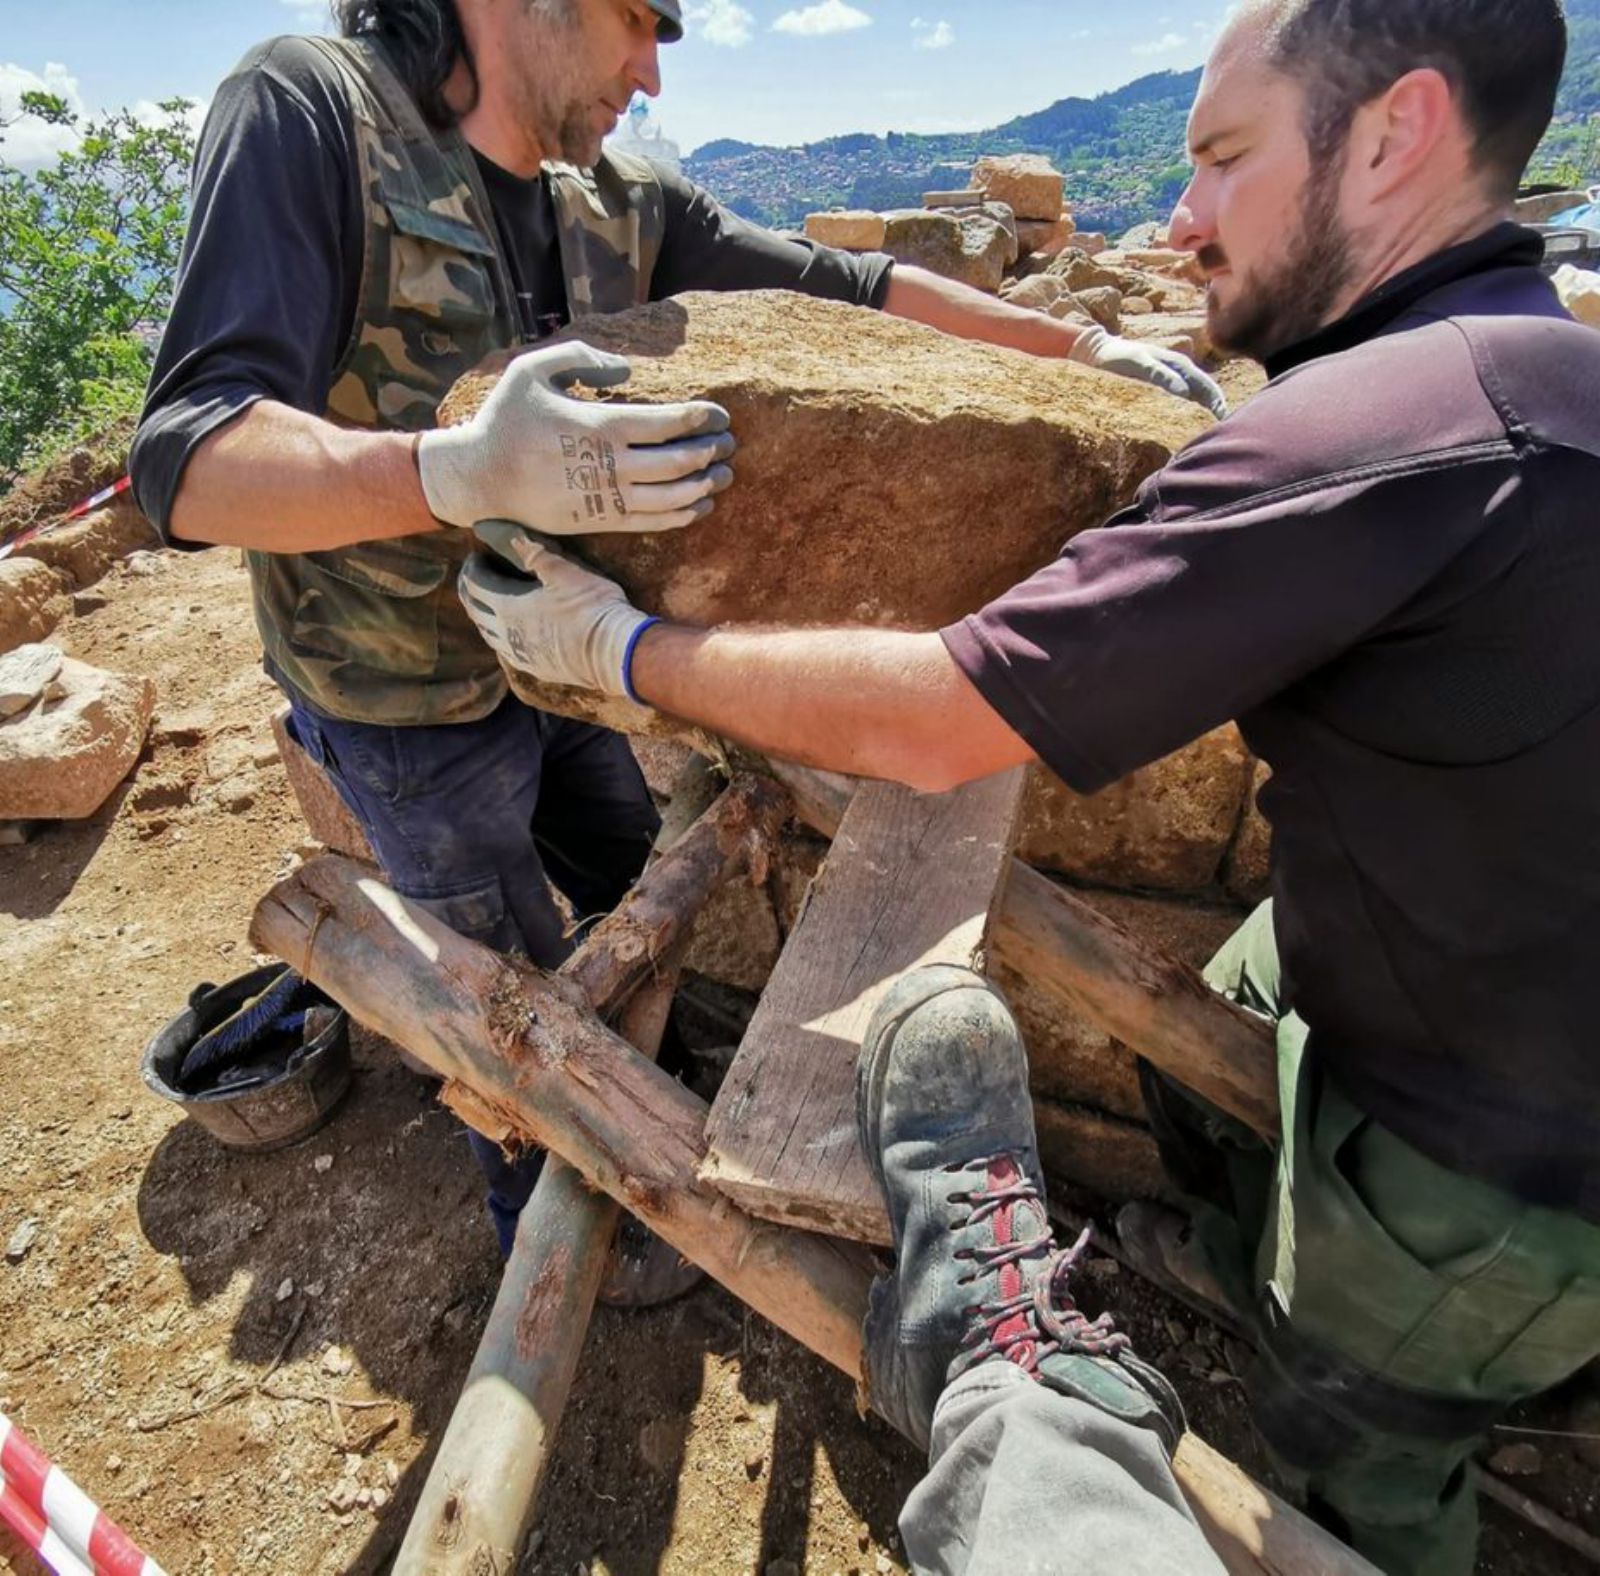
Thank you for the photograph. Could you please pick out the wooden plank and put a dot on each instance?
(911, 879)
(1152, 1003)
(537, 1064)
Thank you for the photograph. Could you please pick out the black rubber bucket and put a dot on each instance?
(273, 1107)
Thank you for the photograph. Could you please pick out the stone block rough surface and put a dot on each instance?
(974, 250)
(60, 759)
(1033, 187)
(855, 230)
(34, 598)
(1165, 827)
(887, 474)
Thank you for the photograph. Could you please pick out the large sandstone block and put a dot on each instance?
(33, 600)
(1030, 184)
(974, 250)
(1247, 871)
(1071, 1059)
(887, 474)
(328, 818)
(84, 550)
(855, 230)
(1166, 827)
(62, 757)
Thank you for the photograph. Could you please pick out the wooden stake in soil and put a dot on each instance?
(483, 1487)
(530, 1058)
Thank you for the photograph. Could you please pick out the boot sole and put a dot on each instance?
(872, 1066)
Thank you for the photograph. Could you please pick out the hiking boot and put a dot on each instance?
(947, 1126)
(1161, 1245)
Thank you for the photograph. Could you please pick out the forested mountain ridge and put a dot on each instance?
(1123, 152)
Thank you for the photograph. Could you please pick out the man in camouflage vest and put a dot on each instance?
(373, 215)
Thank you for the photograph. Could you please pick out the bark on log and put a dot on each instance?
(1157, 1007)
(482, 1490)
(538, 1062)
(479, 1499)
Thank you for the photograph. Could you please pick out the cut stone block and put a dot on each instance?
(1247, 873)
(328, 818)
(868, 446)
(856, 230)
(1043, 238)
(61, 759)
(33, 600)
(1074, 1061)
(1116, 1159)
(1031, 184)
(972, 251)
(1165, 827)
(969, 198)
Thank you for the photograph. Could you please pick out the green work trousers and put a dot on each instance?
(1398, 1307)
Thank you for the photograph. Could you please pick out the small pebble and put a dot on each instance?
(364, 1497)
(22, 1239)
(391, 1476)
(1519, 1460)
(337, 1362)
(883, 1565)
(342, 1496)
(1177, 1331)
(285, 1289)
(323, 1163)
(754, 1460)
(313, 1288)
(380, 1498)
(113, 1463)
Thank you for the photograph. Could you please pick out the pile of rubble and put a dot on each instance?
(69, 732)
(1011, 234)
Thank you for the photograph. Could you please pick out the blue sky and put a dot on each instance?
(763, 70)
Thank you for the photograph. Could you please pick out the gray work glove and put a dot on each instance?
(570, 626)
(535, 455)
(1167, 370)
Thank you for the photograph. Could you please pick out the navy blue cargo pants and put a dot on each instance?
(473, 821)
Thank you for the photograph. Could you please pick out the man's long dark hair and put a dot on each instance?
(423, 39)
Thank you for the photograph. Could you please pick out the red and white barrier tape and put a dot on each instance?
(57, 1520)
(77, 512)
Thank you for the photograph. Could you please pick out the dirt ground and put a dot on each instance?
(245, 1359)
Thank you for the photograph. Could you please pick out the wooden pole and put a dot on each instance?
(483, 1488)
(527, 1056)
(1158, 1007)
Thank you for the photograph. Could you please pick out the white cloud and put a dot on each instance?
(1161, 46)
(932, 35)
(817, 21)
(725, 23)
(27, 141)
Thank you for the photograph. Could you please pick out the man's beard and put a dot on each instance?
(1280, 308)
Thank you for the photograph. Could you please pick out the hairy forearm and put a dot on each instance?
(873, 703)
(283, 481)
(958, 309)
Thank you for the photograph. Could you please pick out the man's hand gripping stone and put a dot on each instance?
(537, 456)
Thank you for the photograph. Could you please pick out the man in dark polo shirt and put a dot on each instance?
(1386, 568)
(372, 215)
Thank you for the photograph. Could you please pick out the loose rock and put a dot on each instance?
(854, 231)
(25, 674)
(61, 759)
(972, 251)
(1030, 184)
(1518, 1460)
(33, 599)
(22, 1240)
(867, 444)
(84, 550)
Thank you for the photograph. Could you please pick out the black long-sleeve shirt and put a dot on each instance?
(271, 270)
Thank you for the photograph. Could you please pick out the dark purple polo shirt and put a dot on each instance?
(1387, 567)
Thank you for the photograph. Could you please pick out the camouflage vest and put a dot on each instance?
(375, 633)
